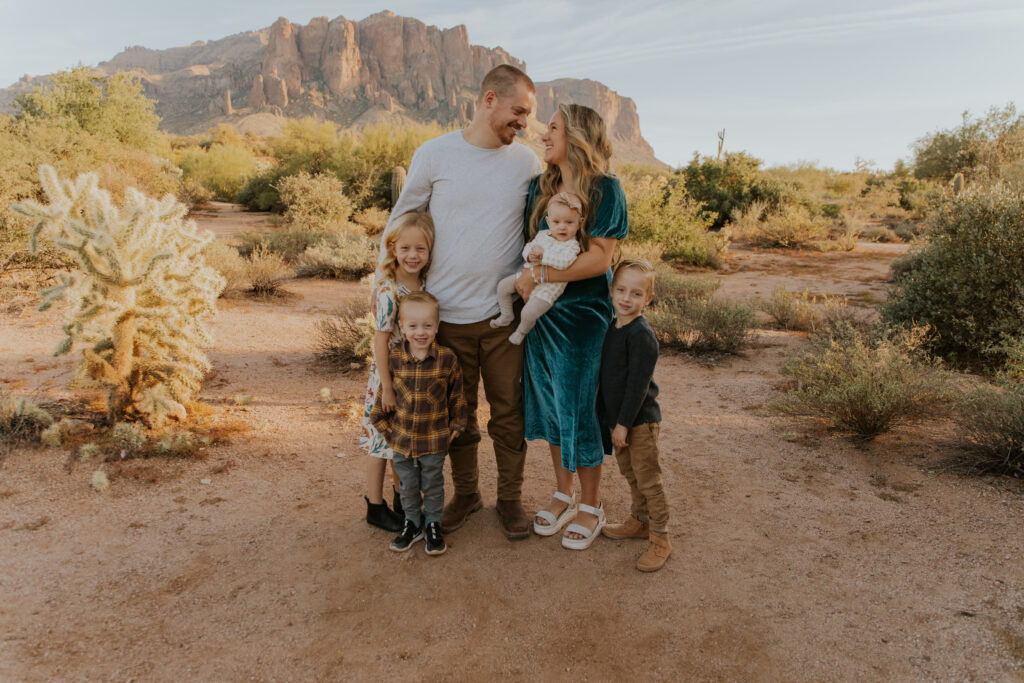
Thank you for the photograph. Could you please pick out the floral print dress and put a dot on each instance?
(385, 319)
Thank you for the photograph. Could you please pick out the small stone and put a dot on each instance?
(207, 480)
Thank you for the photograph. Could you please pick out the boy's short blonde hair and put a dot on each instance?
(640, 265)
(420, 297)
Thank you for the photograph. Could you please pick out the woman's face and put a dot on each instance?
(556, 149)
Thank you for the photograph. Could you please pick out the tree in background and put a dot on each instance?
(983, 149)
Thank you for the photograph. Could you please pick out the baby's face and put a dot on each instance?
(563, 222)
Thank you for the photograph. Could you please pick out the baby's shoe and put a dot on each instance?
(501, 321)
(516, 337)
(435, 541)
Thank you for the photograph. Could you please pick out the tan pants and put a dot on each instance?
(638, 463)
(485, 352)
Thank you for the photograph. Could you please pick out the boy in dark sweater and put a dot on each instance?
(628, 401)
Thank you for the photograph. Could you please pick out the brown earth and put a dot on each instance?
(797, 555)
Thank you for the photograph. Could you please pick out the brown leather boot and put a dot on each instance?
(657, 552)
(514, 522)
(458, 510)
(631, 528)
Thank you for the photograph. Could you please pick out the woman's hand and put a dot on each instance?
(536, 254)
(525, 284)
(619, 435)
(388, 401)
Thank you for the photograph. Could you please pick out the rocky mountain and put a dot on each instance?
(385, 67)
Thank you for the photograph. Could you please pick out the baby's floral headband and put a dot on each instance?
(570, 200)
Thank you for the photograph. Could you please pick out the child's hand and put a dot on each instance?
(388, 402)
(535, 255)
(619, 436)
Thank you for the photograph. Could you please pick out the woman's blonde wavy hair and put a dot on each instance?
(413, 219)
(589, 154)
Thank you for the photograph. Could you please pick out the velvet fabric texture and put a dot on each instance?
(563, 351)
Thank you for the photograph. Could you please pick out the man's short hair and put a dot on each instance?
(502, 79)
(419, 297)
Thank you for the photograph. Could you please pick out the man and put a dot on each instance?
(474, 183)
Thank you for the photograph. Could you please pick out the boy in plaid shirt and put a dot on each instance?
(431, 412)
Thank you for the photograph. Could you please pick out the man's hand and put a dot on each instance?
(454, 435)
(388, 401)
(525, 284)
(536, 254)
(619, 436)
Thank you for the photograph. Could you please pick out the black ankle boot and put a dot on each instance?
(379, 515)
(396, 503)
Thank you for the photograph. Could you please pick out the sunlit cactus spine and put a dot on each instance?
(397, 183)
(139, 297)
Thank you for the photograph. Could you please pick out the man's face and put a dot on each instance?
(418, 322)
(508, 115)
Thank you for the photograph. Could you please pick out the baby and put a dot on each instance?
(557, 247)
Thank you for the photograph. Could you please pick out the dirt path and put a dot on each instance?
(797, 555)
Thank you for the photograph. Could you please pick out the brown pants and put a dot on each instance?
(484, 351)
(638, 463)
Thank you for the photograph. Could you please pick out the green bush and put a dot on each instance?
(222, 169)
(790, 310)
(267, 272)
(728, 186)
(965, 283)
(865, 386)
(314, 202)
(703, 326)
(226, 260)
(983, 149)
(21, 419)
(789, 227)
(345, 256)
(660, 212)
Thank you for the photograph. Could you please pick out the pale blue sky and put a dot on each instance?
(789, 80)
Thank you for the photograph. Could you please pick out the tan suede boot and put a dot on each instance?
(631, 528)
(657, 552)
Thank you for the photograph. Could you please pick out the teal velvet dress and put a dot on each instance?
(563, 351)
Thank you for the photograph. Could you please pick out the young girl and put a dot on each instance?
(404, 269)
(557, 247)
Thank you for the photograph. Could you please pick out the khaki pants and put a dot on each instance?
(638, 463)
(485, 352)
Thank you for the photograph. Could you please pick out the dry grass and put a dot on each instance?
(267, 272)
(344, 340)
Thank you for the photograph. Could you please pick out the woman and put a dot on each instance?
(563, 352)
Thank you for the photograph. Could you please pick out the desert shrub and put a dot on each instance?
(672, 290)
(21, 419)
(788, 227)
(179, 444)
(965, 283)
(728, 186)
(373, 220)
(866, 386)
(983, 149)
(684, 316)
(259, 192)
(650, 251)
(345, 256)
(991, 421)
(879, 233)
(313, 202)
(267, 272)
(791, 310)
(139, 297)
(662, 213)
(838, 322)
(289, 243)
(915, 196)
(831, 210)
(221, 169)
(344, 340)
(226, 260)
(192, 193)
(128, 439)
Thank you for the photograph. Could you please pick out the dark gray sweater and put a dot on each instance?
(628, 395)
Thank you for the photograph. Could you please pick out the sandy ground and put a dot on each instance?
(797, 555)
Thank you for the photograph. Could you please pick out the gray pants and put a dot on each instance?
(421, 484)
(534, 308)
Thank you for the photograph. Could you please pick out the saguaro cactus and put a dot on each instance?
(397, 183)
(139, 296)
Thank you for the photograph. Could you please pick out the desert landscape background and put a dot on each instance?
(842, 381)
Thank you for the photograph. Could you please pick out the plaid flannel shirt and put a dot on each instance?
(430, 402)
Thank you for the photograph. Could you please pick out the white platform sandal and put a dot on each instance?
(555, 524)
(587, 534)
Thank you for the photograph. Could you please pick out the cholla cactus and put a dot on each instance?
(139, 297)
(397, 183)
(958, 183)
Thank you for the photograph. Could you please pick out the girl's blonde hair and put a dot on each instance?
(589, 155)
(413, 219)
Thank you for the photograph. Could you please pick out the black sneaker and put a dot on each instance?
(410, 534)
(435, 541)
